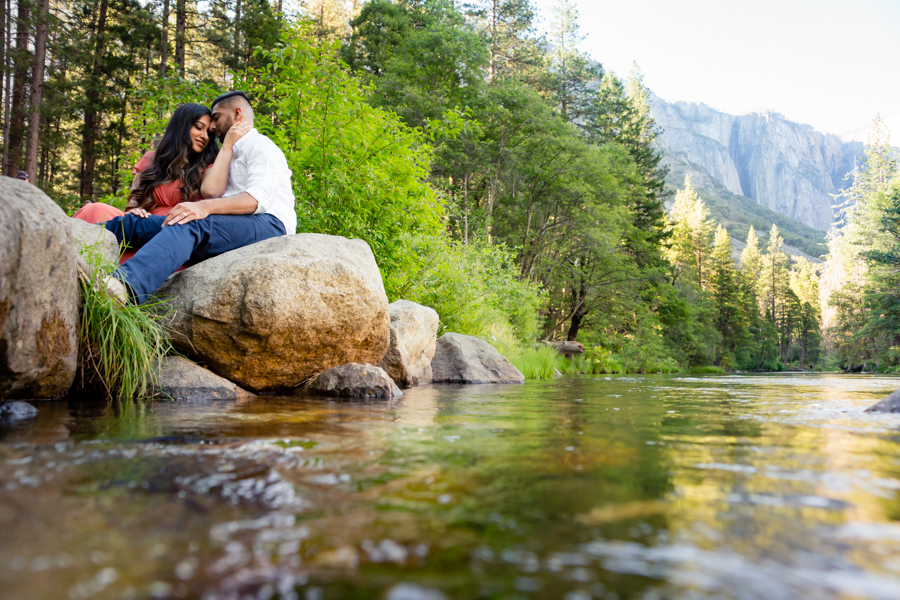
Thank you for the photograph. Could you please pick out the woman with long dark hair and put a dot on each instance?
(174, 172)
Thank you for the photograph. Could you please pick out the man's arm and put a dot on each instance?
(185, 212)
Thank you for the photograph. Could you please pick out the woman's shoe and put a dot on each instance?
(115, 289)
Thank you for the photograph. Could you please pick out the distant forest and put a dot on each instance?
(500, 175)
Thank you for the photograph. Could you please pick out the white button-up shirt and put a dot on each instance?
(259, 168)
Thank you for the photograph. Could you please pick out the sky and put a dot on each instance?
(828, 63)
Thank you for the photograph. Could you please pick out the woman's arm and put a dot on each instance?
(215, 178)
(132, 206)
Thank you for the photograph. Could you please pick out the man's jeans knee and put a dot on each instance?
(164, 250)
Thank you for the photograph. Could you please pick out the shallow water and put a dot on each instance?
(651, 487)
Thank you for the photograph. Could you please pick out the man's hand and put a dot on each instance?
(137, 211)
(185, 212)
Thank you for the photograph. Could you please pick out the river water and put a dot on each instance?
(653, 487)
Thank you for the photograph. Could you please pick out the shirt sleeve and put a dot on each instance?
(262, 174)
(146, 161)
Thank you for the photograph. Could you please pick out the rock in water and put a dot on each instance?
(17, 411)
(273, 314)
(413, 339)
(466, 359)
(355, 380)
(888, 404)
(90, 236)
(181, 379)
(39, 295)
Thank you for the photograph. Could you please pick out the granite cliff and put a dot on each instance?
(786, 167)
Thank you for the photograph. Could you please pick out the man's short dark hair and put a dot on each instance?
(228, 96)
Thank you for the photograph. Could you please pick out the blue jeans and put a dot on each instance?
(161, 250)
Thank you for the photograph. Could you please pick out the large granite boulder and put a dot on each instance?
(354, 380)
(888, 404)
(273, 314)
(181, 379)
(95, 238)
(39, 295)
(413, 339)
(466, 359)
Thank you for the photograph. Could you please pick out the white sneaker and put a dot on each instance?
(115, 289)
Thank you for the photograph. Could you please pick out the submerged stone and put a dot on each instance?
(17, 411)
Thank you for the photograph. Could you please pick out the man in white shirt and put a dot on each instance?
(256, 205)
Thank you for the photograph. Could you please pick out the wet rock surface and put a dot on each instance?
(413, 339)
(354, 380)
(39, 295)
(467, 359)
(181, 379)
(271, 315)
(17, 411)
(888, 404)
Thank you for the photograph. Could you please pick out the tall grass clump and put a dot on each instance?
(120, 346)
(537, 363)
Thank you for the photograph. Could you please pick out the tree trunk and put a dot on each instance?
(237, 33)
(17, 118)
(492, 64)
(91, 112)
(7, 84)
(180, 18)
(37, 88)
(164, 40)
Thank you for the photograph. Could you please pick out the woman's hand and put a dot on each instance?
(236, 132)
(137, 211)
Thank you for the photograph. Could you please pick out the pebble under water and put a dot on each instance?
(660, 486)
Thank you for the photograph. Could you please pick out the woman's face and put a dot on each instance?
(199, 134)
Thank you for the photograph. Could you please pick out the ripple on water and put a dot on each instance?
(745, 487)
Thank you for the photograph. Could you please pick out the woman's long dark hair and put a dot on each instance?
(175, 158)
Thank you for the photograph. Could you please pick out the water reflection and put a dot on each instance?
(611, 487)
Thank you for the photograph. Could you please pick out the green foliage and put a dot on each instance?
(120, 346)
(358, 171)
(473, 287)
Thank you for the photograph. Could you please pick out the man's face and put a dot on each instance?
(221, 122)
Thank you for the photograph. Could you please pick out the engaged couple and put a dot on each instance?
(191, 200)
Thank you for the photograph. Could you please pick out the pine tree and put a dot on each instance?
(724, 289)
(691, 233)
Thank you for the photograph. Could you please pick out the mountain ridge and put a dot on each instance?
(786, 167)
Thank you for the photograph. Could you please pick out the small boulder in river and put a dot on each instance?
(39, 295)
(413, 338)
(354, 380)
(888, 404)
(181, 379)
(467, 359)
(270, 315)
(16, 411)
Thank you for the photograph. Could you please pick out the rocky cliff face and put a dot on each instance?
(787, 167)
